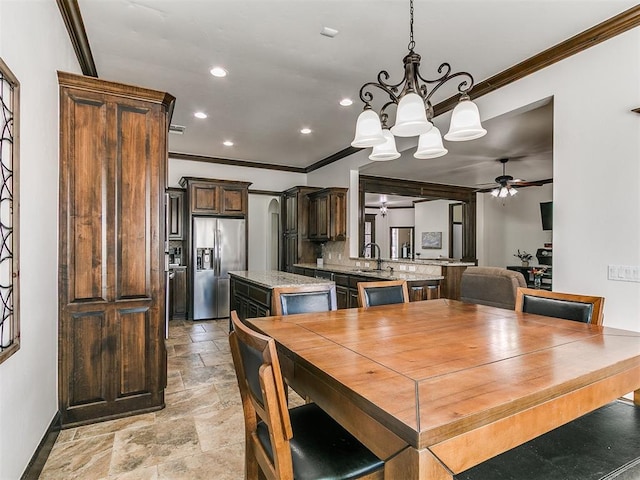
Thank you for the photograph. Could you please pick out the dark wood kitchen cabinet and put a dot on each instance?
(178, 293)
(295, 223)
(175, 213)
(216, 197)
(113, 158)
(328, 214)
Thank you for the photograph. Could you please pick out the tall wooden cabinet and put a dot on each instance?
(297, 248)
(113, 156)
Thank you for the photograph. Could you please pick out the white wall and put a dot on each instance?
(432, 217)
(259, 231)
(596, 168)
(34, 44)
(512, 224)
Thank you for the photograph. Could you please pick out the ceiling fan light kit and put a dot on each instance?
(414, 108)
(504, 188)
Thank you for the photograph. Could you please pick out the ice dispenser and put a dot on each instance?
(204, 258)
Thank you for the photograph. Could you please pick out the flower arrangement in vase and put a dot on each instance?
(524, 257)
(538, 272)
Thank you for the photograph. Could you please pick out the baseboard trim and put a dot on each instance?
(39, 458)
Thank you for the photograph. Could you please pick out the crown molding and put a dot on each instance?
(237, 163)
(70, 11)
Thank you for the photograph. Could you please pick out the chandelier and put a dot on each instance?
(414, 111)
(383, 209)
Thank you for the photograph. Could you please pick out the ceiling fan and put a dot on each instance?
(504, 184)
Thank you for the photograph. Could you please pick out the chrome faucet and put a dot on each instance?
(378, 259)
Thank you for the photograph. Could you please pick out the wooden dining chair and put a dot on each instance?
(302, 443)
(303, 299)
(569, 306)
(371, 294)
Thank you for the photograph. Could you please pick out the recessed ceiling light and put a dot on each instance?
(218, 72)
(329, 32)
(200, 115)
(228, 143)
(305, 131)
(346, 102)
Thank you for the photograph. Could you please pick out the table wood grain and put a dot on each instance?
(436, 387)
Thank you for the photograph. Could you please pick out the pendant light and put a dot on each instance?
(414, 109)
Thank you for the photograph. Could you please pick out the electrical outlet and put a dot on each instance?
(357, 264)
(339, 256)
(366, 264)
(412, 268)
(403, 267)
(329, 256)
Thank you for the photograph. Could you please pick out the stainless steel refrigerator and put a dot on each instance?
(219, 246)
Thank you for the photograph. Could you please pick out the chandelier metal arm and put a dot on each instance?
(390, 89)
(463, 87)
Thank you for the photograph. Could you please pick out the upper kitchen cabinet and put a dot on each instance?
(328, 214)
(175, 213)
(216, 197)
(113, 159)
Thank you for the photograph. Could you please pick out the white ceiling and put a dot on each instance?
(284, 75)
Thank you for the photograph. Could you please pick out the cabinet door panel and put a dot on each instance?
(86, 198)
(204, 199)
(233, 201)
(134, 351)
(133, 208)
(89, 349)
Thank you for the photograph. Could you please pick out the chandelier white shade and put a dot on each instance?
(368, 130)
(411, 117)
(465, 123)
(414, 110)
(430, 145)
(387, 150)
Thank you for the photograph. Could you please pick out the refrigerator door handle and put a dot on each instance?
(216, 252)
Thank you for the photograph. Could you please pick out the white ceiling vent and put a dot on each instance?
(177, 129)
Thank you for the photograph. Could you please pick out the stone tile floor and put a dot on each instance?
(198, 435)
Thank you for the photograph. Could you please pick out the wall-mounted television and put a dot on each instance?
(546, 212)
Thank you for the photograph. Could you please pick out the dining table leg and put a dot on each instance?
(411, 464)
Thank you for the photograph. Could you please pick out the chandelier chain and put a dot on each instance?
(412, 43)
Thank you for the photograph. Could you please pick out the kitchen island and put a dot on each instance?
(250, 291)
(446, 275)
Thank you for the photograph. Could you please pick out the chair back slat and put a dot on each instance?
(303, 299)
(371, 294)
(568, 306)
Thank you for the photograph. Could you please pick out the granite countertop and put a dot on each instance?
(275, 278)
(423, 261)
(368, 272)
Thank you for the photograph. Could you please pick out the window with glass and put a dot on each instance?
(9, 319)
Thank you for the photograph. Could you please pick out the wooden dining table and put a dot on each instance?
(436, 387)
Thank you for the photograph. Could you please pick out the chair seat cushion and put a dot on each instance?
(602, 445)
(321, 449)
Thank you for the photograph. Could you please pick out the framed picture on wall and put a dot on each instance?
(431, 240)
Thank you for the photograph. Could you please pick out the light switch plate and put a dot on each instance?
(624, 273)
